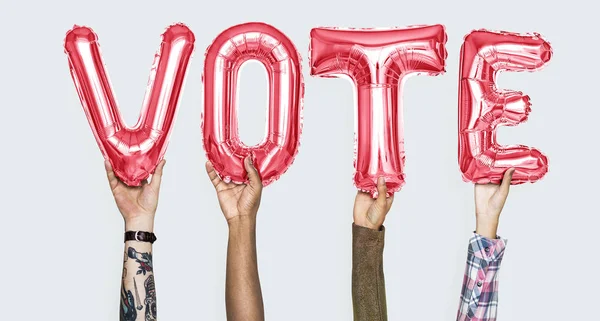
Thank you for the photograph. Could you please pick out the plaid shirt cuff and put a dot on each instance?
(479, 296)
(487, 249)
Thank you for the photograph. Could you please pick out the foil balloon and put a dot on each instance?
(134, 152)
(224, 149)
(378, 61)
(482, 107)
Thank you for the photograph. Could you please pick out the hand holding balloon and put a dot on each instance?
(137, 204)
(489, 201)
(238, 200)
(370, 212)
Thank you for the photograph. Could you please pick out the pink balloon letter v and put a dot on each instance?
(135, 151)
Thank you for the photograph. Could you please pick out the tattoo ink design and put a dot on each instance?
(150, 299)
(124, 268)
(128, 312)
(137, 295)
(144, 259)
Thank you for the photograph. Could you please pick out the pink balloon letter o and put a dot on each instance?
(224, 149)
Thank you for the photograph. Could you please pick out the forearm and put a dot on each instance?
(368, 284)
(487, 226)
(243, 296)
(138, 293)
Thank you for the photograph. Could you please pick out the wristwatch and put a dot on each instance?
(140, 236)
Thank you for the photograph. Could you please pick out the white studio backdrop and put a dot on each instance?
(61, 234)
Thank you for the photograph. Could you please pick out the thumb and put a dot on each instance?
(378, 210)
(253, 175)
(505, 184)
(382, 193)
(157, 176)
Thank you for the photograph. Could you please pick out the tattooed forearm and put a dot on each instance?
(137, 295)
(144, 259)
(128, 312)
(150, 299)
(134, 305)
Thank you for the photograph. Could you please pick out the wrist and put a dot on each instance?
(368, 225)
(367, 221)
(145, 224)
(487, 227)
(242, 222)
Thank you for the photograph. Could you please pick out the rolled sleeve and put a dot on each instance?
(479, 295)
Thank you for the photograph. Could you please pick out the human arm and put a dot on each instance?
(239, 204)
(368, 233)
(138, 207)
(479, 294)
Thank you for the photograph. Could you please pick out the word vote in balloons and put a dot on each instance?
(376, 61)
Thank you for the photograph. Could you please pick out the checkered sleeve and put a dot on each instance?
(479, 295)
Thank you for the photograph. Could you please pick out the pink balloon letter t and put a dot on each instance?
(378, 61)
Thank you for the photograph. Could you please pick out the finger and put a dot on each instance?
(360, 193)
(157, 176)
(212, 174)
(113, 181)
(253, 175)
(382, 192)
(390, 201)
(506, 179)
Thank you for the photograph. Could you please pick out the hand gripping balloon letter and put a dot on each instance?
(378, 61)
(482, 107)
(133, 152)
(224, 149)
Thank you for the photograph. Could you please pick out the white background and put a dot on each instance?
(61, 234)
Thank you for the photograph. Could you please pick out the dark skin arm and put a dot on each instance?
(239, 204)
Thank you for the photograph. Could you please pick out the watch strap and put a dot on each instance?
(140, 236)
